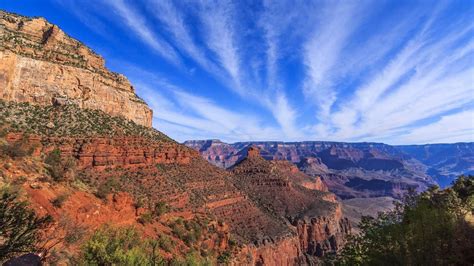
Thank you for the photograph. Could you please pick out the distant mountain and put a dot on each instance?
(444, 161)
(355, 170)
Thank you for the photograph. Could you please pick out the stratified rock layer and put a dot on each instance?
(284, 193)
(350, 170)
(40, 64)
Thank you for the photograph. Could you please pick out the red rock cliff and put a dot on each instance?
(40, 64)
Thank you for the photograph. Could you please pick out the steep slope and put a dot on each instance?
(281, 191)
(149, 167)
(40, 64)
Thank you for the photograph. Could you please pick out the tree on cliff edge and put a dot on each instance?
(435, 227)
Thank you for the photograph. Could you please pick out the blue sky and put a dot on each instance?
(399, 72)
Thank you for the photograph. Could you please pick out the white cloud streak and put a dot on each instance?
(137, 23)
(417, 84)
(323, 49)
(456, 127)
(219, 28)
(401, 73)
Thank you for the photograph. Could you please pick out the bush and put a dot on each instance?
(112, 185)
(161, 208)
(20, 226)
(59, 200)
(145, 218)
(118, 246)
(425, 229)
(165, 243)
(188, 231)
(18, 149)
(224, 257)
(57, 167)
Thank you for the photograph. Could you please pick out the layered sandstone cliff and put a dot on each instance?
(40, 64)
(351, 170)
(311, 212)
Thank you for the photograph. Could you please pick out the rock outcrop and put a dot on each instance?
(351, 170)
(40, 64)
(312, 213)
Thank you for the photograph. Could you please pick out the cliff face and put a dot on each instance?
(314, 215)
(40, 64)
(351, 170)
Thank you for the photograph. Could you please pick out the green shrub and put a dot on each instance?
(18, 149)
(19, 225)
(165, 243)
(57, 167)
(59, 200)
(145, 218)
(53, 157)
(161, 208)
(224, 257)
(118, 246)
(425, 229)
(112, 185)
(188, 231)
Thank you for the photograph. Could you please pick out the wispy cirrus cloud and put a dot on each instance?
(323, 50)
(460, 125)
(185, 115)
(220, 36)
(136, 22)
(417, 84)
(295, 70)
(174, 21)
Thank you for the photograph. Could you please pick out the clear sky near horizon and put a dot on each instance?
(399, 72)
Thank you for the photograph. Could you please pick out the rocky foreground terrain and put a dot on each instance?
(73, 155)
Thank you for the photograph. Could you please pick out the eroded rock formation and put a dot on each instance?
(312, 213)
(40, 64)
(351, 170)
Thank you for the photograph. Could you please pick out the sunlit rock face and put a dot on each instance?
(40, 64)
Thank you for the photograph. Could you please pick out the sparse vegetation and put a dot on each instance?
(145, 218)
(59, 200)
(190, 231)
(112, 185)
(165, 243)
(19, 226)
(160, 208)
(17, 149)
(118, 246)
(59, 168)
(224, 257)
(70, 120)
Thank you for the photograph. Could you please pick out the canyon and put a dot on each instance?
(78, 142)
(366, 177)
